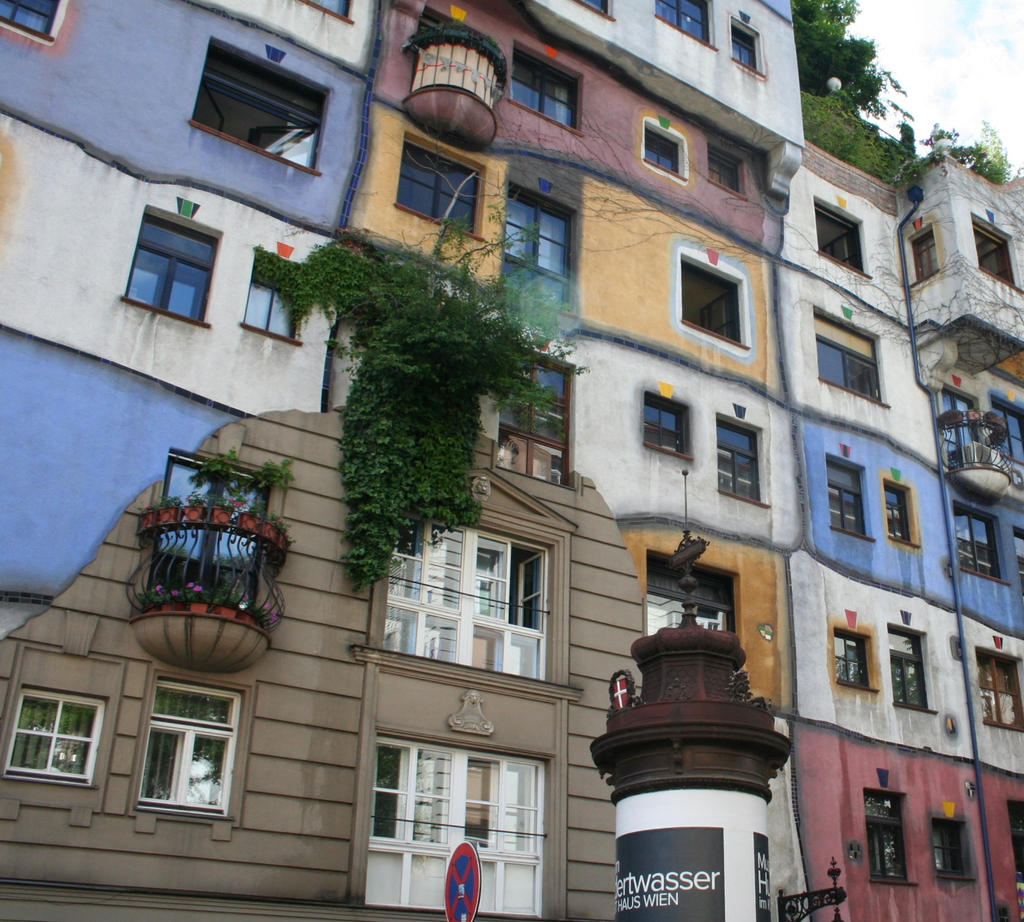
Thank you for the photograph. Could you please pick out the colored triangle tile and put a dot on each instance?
(957, 380)
(883, 777)
(895, 471)
(844, 449)
(949, 808)
(275, 54)
(905, 617)
(841, 201)
(713, 256)
(851, 617)
(666, 390)
(740, 411)
(187, 209)
(664, 122)
(458, 13)
(550, 52)
(847, 312)
(284, 250)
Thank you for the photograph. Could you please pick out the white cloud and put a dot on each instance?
(958, 60)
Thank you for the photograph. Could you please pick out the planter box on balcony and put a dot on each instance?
(197, 636)
(456, 84)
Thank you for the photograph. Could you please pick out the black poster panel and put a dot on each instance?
(665, 875)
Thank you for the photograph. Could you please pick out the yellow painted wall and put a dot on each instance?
(376, 210)
(759, 597)
(627, 276)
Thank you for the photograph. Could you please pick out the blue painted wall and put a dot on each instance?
(81, 439)
(879, 560)
(157, 48)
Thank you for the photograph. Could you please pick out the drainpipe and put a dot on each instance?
(916, 195)
(353, 184)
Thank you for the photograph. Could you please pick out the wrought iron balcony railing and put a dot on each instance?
(972, 451)
(205, 595)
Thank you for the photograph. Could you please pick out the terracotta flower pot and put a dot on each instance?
(220, 515)
(147, 520)
(193, 513)
(168, 515)
(249, 522)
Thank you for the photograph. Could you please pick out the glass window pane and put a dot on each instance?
(426, 881)
(487, 650)
(187, 291)
(400, 631)
(524, 656)
(31, 751)
(161, 755)
(520, 887)
(70, 756)
(38, 714)
(206, 775)
(76, 719)
(147, 279)
(439, 639)
(384, 878)
(175, 702)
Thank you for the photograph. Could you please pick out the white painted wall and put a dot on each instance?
(66, 252)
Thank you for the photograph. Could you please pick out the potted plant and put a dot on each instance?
(250, 515)
(168, 510)
(194, 508)
(275, 530)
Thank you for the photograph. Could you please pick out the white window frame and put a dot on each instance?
(50, 773)
(429, 597)
(428, 823)
(683, 175)
(43, 38)
(731, 271)
(187, 730)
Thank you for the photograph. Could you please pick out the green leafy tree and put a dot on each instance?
(824, 49)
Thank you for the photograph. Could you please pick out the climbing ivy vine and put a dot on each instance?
(429, 337)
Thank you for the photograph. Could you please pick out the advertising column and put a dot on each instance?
(689, 760)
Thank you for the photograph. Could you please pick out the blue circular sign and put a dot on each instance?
(462, 884)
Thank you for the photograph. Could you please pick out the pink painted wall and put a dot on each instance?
(608, 138)
(832, 773)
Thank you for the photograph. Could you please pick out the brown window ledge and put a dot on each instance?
(164, 313)
(913, 707)
(328, 12)
(850, 390)
(845, 265)
(852, 534)
(994, 579)
(667, 451)
(253, 148)
(547, 118)
(272, 335)
(745, 499)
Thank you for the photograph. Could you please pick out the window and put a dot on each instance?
(1000, 691)
(32, 14)
(335, 6)
(897, 514)
(543, 88)
(533, 440)
(723, 169)
(1014, 420)
(689, 15)
(744, 47)
(661, 151)
(851, 659)
(885, 835)
(55, 737)
(993, 253)
(538, 246)
(426, 798)
(465, 597)
(845, 500)
(260, 107)
(190, 749)
(265, 310)
(976, 543)
(955, 437)
(907, 665)
(601, 5)
(846, 358)
(666, 424)
(437, 187)
(710, 301)
(947, 846)
(172, 267)
(838, 237)
(713, 595)
(926, 261)
(1016, 811)
(737, 461)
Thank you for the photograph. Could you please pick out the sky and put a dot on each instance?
(961, 62)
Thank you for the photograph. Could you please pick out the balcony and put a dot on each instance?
(457, 81)
(204, 597)
(972, 452)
